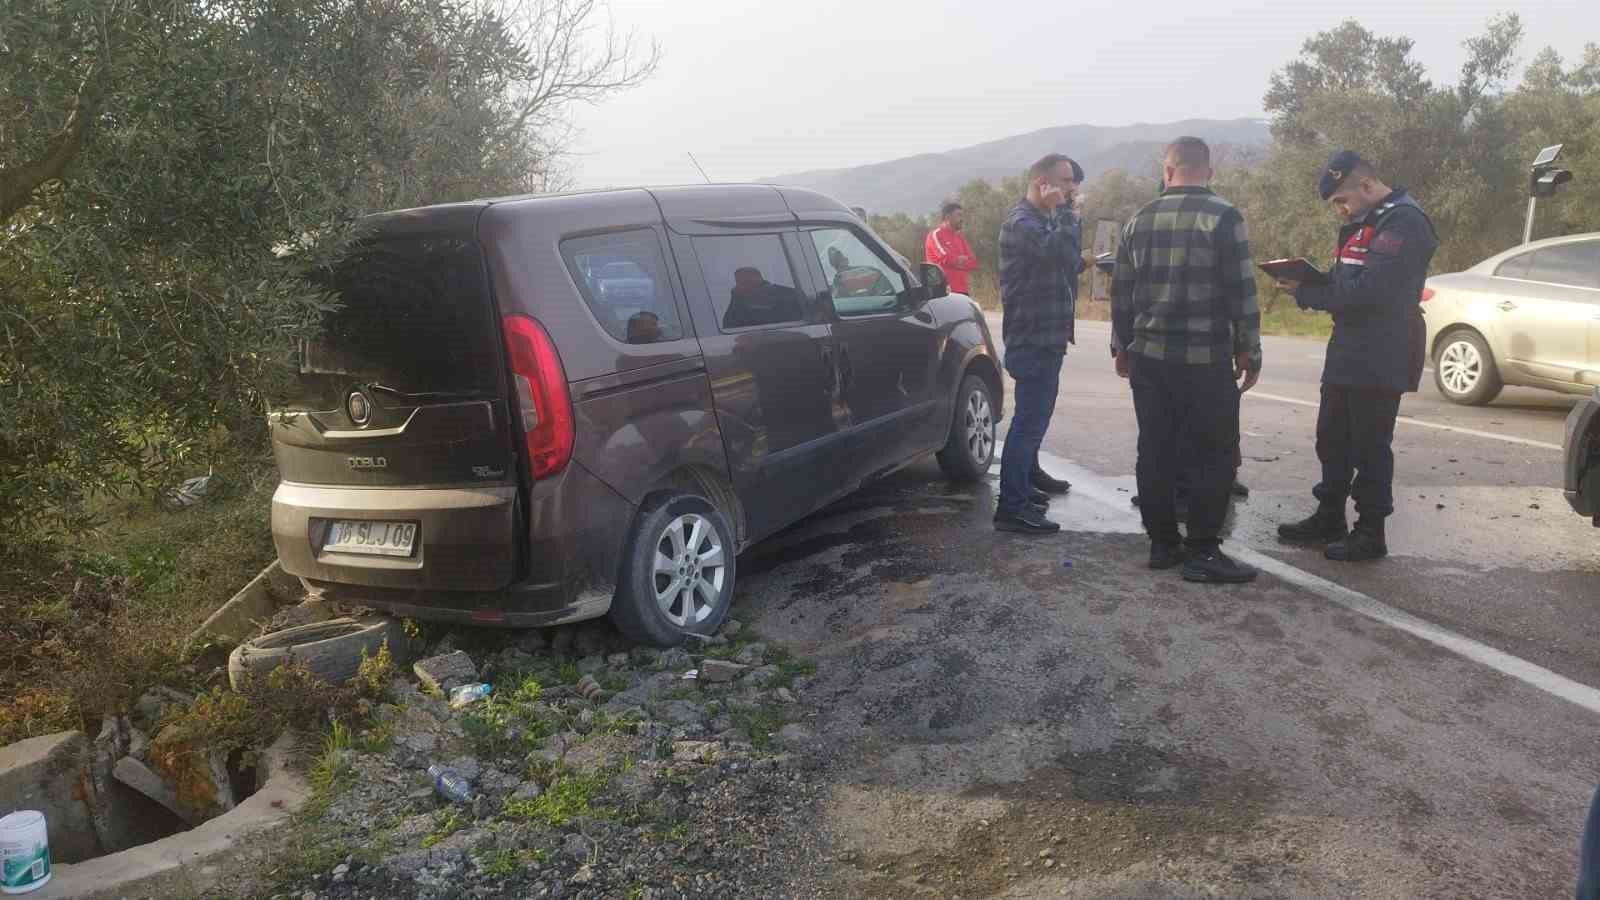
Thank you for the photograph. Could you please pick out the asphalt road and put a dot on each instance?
(1482, 540)
(1044, 717)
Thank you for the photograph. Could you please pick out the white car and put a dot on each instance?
(1529, 316)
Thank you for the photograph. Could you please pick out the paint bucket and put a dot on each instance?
(24, 852)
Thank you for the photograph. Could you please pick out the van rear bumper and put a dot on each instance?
(574, 531)
(520, 606)
(464, 535)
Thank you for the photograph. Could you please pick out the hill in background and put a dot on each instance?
(917, 184)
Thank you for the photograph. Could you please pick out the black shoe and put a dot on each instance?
(1325, 525)
(1039, 499)
(1215, 567)
(1165, 556)
(1366, 542)
(1239, 490)
(1044, 481)
(1028, 521)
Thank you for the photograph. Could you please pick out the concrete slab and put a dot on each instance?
(51, 774)
(188, 864)
(255, 602)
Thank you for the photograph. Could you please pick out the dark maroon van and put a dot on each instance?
(536, 410)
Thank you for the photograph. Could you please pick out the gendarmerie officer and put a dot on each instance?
(1375, 355)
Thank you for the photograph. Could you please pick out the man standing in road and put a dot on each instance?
(1040, 260)
(1374, 294)
(946, 247)
(1186, 320)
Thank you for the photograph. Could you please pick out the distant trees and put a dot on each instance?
(1462, 148)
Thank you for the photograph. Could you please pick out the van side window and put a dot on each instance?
(623, 278)
(861, 281)
(750, 281)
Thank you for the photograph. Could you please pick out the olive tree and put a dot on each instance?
(172, 170)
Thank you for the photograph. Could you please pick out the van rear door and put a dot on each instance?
(392, 430)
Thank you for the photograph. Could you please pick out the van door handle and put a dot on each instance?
(831, 377)
(1506, 306)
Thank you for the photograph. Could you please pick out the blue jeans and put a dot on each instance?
(1038, 375)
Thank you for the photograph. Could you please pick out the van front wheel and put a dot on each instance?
(678, 572)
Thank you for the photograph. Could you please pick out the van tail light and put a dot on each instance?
(542, 400)
(1427, 294)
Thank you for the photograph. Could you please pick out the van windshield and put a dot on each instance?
(415, 323)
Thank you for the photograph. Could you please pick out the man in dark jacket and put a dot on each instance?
(1040, 259)
(1375, 355)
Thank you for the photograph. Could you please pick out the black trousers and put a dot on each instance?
(1188, 423)
(1355, 442)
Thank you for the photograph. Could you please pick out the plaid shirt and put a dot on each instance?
(1184, 289)
(1040, 259)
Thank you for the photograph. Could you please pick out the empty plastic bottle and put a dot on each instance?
(449, 784)
(468, 693)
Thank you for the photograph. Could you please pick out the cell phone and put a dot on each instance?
(1297, 269)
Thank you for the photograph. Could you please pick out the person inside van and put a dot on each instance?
(756, 301)
(644, 327)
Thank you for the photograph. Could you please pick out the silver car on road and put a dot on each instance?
(1528, 316)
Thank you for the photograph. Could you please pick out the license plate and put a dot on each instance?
(371, 538)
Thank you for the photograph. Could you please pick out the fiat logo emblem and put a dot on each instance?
(359, 407)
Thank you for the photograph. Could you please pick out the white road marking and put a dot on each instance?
(1407, 420)
(1088, 485)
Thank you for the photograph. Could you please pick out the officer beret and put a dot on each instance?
(1339, 166)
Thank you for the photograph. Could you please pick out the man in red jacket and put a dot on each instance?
(947, 248)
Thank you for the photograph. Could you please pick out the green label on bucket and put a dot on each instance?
(23, 868)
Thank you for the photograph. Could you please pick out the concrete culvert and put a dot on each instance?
(332, 650)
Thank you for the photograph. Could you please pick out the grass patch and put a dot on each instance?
(1287, 320)
(492, 723)
(447, 823)
(789, 668)
(759, 724)
(570, 796)
(96, 618)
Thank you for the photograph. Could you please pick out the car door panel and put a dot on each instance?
(773, 383)
(889, 352)
(1546, 312)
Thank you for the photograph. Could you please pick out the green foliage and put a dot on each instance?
(448, 822)
(759, 723)
(172, 172)
(570, 796)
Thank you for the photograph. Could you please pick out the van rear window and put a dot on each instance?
(414, 318)
(623, 278)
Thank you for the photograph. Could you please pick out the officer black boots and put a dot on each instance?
(1366, 541)
(1324, 526)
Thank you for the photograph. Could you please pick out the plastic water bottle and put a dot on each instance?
(449, 784)
(468, 693)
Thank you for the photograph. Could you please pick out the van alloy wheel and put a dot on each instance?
(678, 570)
(690, 568)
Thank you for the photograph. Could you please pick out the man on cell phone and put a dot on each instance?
(1041, 257)
(1374, 294)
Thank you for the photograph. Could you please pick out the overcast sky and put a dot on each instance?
(760, 89)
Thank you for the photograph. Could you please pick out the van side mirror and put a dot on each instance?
(934, 282)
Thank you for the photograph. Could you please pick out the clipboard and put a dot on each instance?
(1297, 269)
